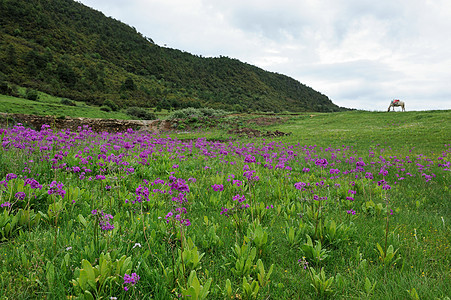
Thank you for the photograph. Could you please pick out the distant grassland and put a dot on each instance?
(415, 129)
(406, 129)
(50, 105)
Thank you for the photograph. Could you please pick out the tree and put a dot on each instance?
(128, 85)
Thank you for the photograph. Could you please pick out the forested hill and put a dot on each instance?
(67, 49)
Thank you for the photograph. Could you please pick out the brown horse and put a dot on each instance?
(397, 103)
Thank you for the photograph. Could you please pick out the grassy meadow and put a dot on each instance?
(351, 205)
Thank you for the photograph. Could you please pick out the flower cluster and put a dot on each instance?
(104, 220)
(176, 215)
(130, 280)
(56, 188)
(217, 187)
(303, 263)
(34, 184)
(20, 195)
(240, 199)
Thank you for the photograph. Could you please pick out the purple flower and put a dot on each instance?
(322, 163)
(130, 280)
(56, 188)
(20, 195)
(237, 182)
(386, 187)
(381, 182)
(104, 220)
(6, 204)
(300, 185)
(239, 198)
(10, 176)
(217, 187)
(303, 263)
(383, 172)
(224, 211)
(168, 216)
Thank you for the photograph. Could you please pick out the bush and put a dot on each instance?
(65, 101)
(32, 94)
(196, 113)
(5, 89)
(140, 113)
(105, 108)
(111, 104)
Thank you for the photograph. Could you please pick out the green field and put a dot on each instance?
(351, 205)
(48, 105)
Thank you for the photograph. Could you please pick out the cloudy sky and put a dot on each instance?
(360, 53)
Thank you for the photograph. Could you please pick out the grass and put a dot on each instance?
(48, 105)
(45, 259)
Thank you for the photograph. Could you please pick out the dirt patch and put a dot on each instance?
(113, 125)
(97, 125)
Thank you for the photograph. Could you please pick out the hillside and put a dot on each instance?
(66, 49)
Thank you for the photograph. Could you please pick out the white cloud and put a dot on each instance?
(360, 53)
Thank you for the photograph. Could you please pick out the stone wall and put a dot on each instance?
(97, 125)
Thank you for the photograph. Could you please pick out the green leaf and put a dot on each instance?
(90, 273)
(206, 289)
(367, 285)
(88, 295)
(50, 274)
(194, 282)
(82, 220)
(190, 293)
(83, 280)
(228, 288)
(381, 251)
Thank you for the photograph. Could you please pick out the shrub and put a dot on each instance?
(196, 113)
(5, 89)
(105, 108)
(68, 102)
(111, 104)
(140, 113)
(32, 94)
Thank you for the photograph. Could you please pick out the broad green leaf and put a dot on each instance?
(82, 220)
(87, 267)
(205, 289)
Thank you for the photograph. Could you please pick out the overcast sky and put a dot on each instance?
(360, 53)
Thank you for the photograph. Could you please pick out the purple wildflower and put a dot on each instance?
(10, 176)
(6, 204)
(217, 187)
(239, 198)
(322, 163)
(130, 280)
(20, 195)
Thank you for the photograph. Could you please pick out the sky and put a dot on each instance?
(359, 53)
